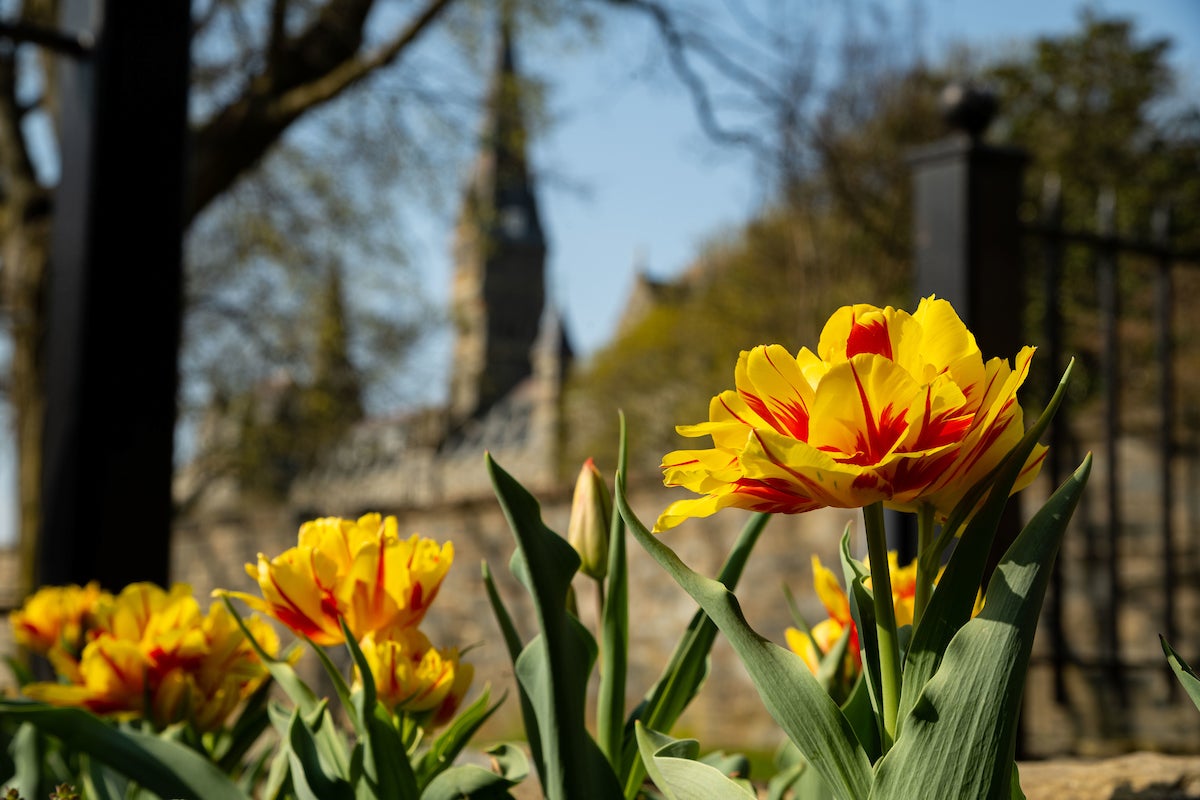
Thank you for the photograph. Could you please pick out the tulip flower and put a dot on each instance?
(413, 677)
(893, 408)
(154, 655)
(360, 571)
(55, 620)
(837, 606)
(591, 513)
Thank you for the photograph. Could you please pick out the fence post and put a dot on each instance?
(968, 237)
(114, 297)
(1164, 311)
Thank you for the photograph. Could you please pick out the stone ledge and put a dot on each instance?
(1136, 776)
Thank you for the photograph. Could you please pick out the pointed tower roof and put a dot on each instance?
(501, 189)
(500, 252)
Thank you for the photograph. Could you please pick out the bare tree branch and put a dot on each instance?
(308, 70)
(354, 70)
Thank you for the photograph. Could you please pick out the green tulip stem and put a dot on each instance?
(885, 619)
(928, 562)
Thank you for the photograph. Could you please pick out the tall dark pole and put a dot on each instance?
(114, 296)
(968, 235)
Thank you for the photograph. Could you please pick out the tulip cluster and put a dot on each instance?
(362, 573)
(144, 653)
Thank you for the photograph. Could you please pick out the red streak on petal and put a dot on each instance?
(869, 338)
(880, 434)
(734, 415)
(291, 614)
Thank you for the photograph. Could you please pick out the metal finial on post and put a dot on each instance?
(968, 108)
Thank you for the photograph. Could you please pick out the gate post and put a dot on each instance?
(114, 296)
(966, 195)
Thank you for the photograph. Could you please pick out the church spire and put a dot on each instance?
(500, 253)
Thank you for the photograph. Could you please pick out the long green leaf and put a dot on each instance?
(249, 726)
(791, 694)
(1183, 671)
(25, 751)
(614, 633)
(474, 782)
(166, 768)
(954, 598)
(554, 667)
(512, 641)
(676, 773)
(311, 777)
(687, 667)
(961, 732)
(450, 743)
(329, 741)
(100, 782)
(386, 767)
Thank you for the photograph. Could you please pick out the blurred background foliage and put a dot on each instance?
(1098, 108)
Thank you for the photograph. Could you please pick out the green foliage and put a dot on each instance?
(1183, 671)
(553, 667)
(960, 695)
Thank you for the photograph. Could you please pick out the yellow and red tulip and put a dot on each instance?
(412, 676)
(837, 606)
(357, 570)
(54, 622)
(893, 407)
(154, 655)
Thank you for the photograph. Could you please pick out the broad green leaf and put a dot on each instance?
(674, 770)
(278, 774)
(954, 597)
(167, 768)
(480, 784)
(1017, 794)
(961, 731)
(791, 694)
(100, 782)
(247, 728)
(575, 766)
(446, 747)
(1186, 675)
(614, 634)
(861, 715)
(25, 752)
(862, 609)
(385, 761)
(687, 668)
(512, 641)
(553, 669)
(311, 777)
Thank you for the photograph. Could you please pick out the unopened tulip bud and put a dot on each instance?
(591, 510)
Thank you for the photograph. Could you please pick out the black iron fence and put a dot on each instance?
(1108, 259)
